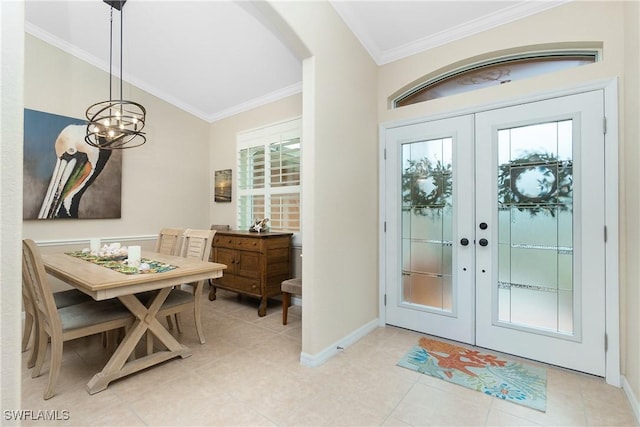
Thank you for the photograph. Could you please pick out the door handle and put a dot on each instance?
(483, 242)
(483, 226)
(464, 241)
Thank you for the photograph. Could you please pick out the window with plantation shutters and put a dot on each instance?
(269, 176)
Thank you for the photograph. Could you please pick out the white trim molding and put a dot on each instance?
(633, 399)
(85, 240)
(384, 56)
(313, 360)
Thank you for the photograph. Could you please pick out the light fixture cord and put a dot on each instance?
(121, 25)
(110, 54)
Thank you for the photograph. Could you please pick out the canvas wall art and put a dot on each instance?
(222, 191)
(64, 177)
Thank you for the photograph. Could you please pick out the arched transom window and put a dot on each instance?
(494, 72)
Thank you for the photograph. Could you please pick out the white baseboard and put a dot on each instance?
(313, 360)
(633, 399)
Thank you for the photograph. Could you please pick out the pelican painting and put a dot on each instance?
(64, 176)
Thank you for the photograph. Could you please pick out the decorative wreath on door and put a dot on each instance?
(426, 186)
(536, 183)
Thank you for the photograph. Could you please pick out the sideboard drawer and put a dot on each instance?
(247, 244)
(224, 241)
(251, 286)
(240, 243)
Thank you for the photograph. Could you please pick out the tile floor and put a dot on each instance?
(248, 374)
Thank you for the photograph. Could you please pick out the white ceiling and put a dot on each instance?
(214, 58)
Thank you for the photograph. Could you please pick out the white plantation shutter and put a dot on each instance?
(251, 168)
(285, 211)
(269, 176)
(285, 163)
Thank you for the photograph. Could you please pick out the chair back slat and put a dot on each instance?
(169, 241)
(197, 244)
(34, 278)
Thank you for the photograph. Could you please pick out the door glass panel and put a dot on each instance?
(427, 220)
(535, 222)
(494, 72)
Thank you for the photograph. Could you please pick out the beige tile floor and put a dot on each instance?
(248, 374)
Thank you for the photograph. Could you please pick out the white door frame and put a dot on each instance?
(612, 307)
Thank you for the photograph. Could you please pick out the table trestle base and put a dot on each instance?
(121, 363)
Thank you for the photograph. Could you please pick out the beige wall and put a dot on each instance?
(164, 183)
(222, 146)
(11, 93)
(630, 185)
(614, 25)
(339, 156)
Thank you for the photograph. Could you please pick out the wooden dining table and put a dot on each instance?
(103, 283)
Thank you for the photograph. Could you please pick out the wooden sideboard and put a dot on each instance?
(257, 263)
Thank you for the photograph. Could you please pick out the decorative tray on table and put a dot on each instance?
(118, 263)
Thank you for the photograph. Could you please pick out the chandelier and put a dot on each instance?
(116, 123)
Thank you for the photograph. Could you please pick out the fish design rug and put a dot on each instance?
(490, 374)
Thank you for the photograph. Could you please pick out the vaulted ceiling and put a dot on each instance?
(215, 58)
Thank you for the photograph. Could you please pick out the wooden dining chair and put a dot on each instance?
(169, 241)
(67, 323)
(62, 299)
(195, 244)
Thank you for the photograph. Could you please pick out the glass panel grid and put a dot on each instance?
(535, 222)
(427, 217)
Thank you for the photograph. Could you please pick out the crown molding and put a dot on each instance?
(257, 102)
(65, 46)
(155, 91)
(504, 16)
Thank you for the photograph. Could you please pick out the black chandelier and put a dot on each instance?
(116, 123)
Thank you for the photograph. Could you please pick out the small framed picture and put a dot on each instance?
(222, 186)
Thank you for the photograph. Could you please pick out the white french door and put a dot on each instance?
(430, 206)
(495, 230)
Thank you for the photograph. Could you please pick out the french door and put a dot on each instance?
(495, 230)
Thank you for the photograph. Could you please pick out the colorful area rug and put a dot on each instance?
(490, 374)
